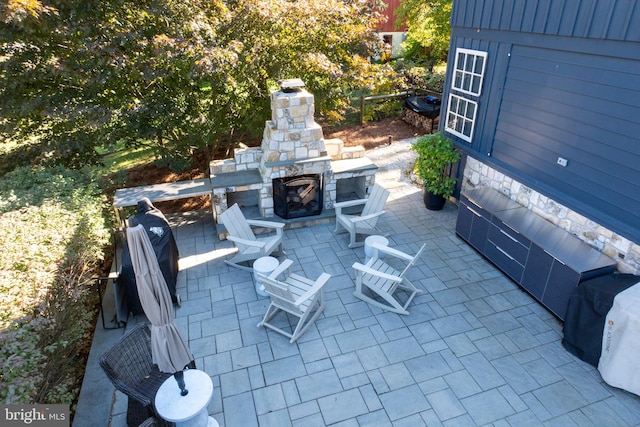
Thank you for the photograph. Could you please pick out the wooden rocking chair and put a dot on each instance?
(364, 223)
(249, 246)
(383, 280)
(295, 295)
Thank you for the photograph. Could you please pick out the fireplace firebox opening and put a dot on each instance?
(353, 188)
(297, 196)
(248, 201)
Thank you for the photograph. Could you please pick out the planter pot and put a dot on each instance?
(433, 202)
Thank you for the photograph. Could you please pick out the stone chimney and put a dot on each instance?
(292, 142)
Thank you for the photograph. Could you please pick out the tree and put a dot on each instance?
(174, 74)
(429, 29)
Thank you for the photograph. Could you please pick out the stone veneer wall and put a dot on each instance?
(249, 158)
(292, 133)
(292, 145)
(244, 159)
(625, 252)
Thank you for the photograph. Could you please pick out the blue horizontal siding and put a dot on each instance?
(541, 155)
(583, 108)
(562, 81)
(611, 19)
(566, 139)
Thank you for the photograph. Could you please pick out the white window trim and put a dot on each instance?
(462, 117)
(471, 74)
(465, 79)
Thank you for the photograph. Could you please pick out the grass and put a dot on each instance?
(123, 159)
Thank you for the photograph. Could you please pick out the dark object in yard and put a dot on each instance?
(432, 99)
(291, 85)
(586, 313)
(164, 246)
(428, 106)
(129, 366)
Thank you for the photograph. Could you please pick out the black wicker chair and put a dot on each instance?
(129, 366)
(149, 422)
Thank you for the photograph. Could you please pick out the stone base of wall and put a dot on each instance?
(625, 252)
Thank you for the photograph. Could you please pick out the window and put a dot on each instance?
(466, 82)
(461, 117)
(469, 71)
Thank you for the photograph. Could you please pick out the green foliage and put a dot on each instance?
(428, 78)
(435, 154)
(171, 75)
(378, 110)
(53, 232)
(15, 154)
(429, 29)
(21, 361)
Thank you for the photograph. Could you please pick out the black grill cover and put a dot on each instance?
(165, 247)
(428, 106)
(586, 313)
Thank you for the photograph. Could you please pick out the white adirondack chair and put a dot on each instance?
(295, 295)
(365, 222)
(249, 246)
(381, 281)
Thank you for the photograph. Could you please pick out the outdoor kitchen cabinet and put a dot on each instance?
(545, 260)
(474, 217)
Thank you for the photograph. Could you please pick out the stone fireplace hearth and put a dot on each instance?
(292, 147)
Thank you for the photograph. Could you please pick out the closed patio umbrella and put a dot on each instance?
(168, 348)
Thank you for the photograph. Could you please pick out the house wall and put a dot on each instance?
(596, 19)
(397, 38)
(388, 29)
(561, 83)
(389, 11)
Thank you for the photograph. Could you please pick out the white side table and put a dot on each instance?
(264, 265)
(189, 410)
(368, 243)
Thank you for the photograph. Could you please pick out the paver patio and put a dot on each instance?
(474, 350)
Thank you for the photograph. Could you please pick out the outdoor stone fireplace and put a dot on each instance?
(297, 196)
(295, 172)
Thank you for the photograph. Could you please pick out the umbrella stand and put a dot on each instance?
(189, 410)
(179, 376)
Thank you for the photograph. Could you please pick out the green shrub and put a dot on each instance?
(53, 231)
(436, 153)
(422, 77)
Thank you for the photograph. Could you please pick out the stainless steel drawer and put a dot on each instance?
(514, 247)
(504, 261)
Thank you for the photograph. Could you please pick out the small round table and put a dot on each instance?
(264, 265)
(189, 410)
(368, 245)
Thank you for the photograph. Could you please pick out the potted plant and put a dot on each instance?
(435, 155)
